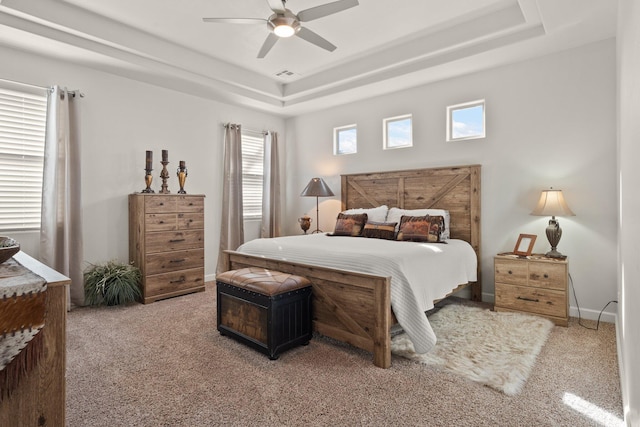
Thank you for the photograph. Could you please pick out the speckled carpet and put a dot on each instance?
(165, 364)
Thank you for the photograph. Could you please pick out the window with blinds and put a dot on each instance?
(22, 129)
(252, 174)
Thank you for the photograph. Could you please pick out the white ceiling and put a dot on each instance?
(383, 46)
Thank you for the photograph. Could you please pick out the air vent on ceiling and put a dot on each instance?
(285, 74)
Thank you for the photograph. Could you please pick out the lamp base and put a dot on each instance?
(554, 233)
(554, 254)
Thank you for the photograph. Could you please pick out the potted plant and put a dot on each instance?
(111, 283)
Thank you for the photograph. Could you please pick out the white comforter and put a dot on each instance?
(420, 272)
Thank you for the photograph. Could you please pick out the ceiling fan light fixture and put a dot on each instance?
(284, 30)
(284, 25)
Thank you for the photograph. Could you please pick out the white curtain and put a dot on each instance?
(271, 188)
(61, 218)
(232, 227)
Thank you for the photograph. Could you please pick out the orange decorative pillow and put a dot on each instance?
(414, 228)
(421, 228)
(350, 225)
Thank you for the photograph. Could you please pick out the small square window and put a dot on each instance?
(345, 140)
(466, 121)
(398, 132)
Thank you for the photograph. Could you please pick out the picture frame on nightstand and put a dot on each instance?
(524, 245)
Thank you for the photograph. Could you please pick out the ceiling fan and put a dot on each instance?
(284, 23)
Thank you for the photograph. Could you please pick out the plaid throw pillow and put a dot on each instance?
(380, 230)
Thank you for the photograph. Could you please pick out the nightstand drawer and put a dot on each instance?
(511, 271)
(548, 302)
(547, 275)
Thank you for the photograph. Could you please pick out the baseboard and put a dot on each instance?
(209, 278)
(586, 313)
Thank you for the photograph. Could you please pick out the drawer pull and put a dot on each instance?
(178, 260)
(182, 279)
(546, 276)
(161, 204)
(529, 299)
(510, 272)
(176, 240)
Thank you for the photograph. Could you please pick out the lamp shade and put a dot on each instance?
(317, 188)
(552, 203)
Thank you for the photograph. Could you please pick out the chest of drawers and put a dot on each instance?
(166, 241)
(536, 285)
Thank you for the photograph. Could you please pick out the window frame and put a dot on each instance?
(336, 139)
(451, 109)
(22, 143)
(386, 129)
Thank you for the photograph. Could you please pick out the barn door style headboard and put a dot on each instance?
(454, 188)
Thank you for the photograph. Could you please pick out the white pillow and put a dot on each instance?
(395, 214)
(378, 214)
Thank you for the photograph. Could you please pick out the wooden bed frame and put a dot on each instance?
(354, 307)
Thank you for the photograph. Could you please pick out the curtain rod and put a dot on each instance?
(262, 132)
(70, 92)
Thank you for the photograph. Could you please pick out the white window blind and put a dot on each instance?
(22, 128)
(252, 174)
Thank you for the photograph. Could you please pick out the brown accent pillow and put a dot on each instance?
(421, 228)
(380, 230)
(414, 228)
(350, 225)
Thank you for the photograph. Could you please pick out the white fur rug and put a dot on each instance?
(495, 349)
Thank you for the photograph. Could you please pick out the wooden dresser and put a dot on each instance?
(534, 284)
(39, 399)
(166, 241)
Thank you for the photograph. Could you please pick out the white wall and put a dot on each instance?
(629, 225)
(120, 120)
(550, 122)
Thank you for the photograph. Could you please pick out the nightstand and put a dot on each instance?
(535, 284)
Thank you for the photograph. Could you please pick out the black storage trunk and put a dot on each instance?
(270, 324)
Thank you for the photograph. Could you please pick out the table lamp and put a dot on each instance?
(552, 203)
(317, 188)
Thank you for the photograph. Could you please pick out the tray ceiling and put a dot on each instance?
(382, 46)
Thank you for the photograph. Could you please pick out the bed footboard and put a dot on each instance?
(348, 306)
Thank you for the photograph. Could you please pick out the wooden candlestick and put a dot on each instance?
(164, 175)
(148, 178)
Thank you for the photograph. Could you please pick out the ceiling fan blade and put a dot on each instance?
(325, 9)
(235, 20)
(267, 45)
(276, 5)
(314, 38)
